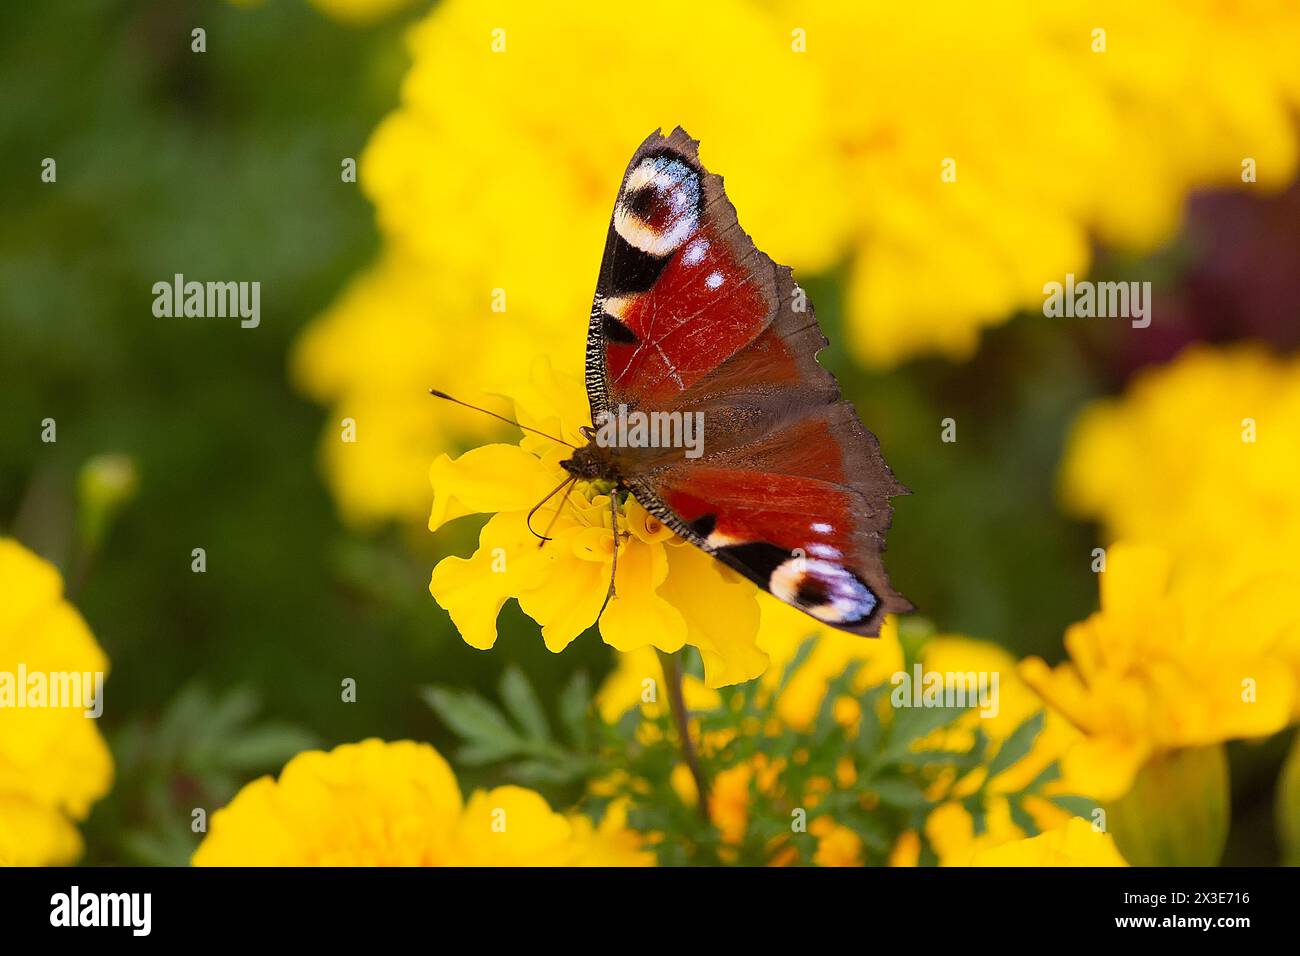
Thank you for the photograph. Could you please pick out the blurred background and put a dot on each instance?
(225, 165)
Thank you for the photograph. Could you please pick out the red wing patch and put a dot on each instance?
(703, 309)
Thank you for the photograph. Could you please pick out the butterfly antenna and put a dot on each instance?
(564, 500)
(613, 570)
(509, 421)
(536, 507)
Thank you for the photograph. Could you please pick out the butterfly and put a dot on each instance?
(694, 328)
(690, 318)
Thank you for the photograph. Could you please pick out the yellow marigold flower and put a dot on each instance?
(951, 831)
(1162, 665)
(1074, 843)
(1201, 457)
(729, 801)
(398, 804)
(1069, 841)
(683, 784)
(499, 101)
(906, 850)
(373, 355)
(837, 845)
(1047, 139)
(53, 762)
(669, 593)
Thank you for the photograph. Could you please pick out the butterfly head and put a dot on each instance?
(591, 462)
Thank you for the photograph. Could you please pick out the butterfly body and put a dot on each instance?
(696, 334)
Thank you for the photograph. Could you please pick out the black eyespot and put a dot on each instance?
(642, 202)
(812, 592)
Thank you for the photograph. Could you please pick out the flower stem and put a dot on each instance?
(672, 666)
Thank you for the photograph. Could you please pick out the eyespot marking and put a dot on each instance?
(829, 592)
(659, 209)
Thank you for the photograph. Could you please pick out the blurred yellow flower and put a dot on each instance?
(373, 356)
(1201, 457)
(783, 630)
(1174, 658)
(983, 147)
(837, 845)
(1073, 843)
(950, 828)
(1015, 703)
(398, 804)
(729, 801)
(53, 762)
(638, 680)
(951, 831)
(669, 593)
(518, 119)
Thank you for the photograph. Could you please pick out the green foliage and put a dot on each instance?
(524, 739)
(879, 776)
(195, 757)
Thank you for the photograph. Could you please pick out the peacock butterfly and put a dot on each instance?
(691, 323)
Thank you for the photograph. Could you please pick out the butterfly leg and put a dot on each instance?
(613, 570)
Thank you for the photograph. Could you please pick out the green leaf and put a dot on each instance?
(801, 655)
(1075, 805)
(1015, 747)
(469, 715)
(1287, 806)
(484, 751)
(1021, 818)
(914, 723)
(826, 724)
(522, 703)
(960, 760)
(1049, 774)
(869, 727)
(574, 704)
(265, 747)
(229, 711)
(166, 846)
(896, 792)
(539, 772)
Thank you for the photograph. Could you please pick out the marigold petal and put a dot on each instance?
(487, 479)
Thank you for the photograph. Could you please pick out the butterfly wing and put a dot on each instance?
(690, 317)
